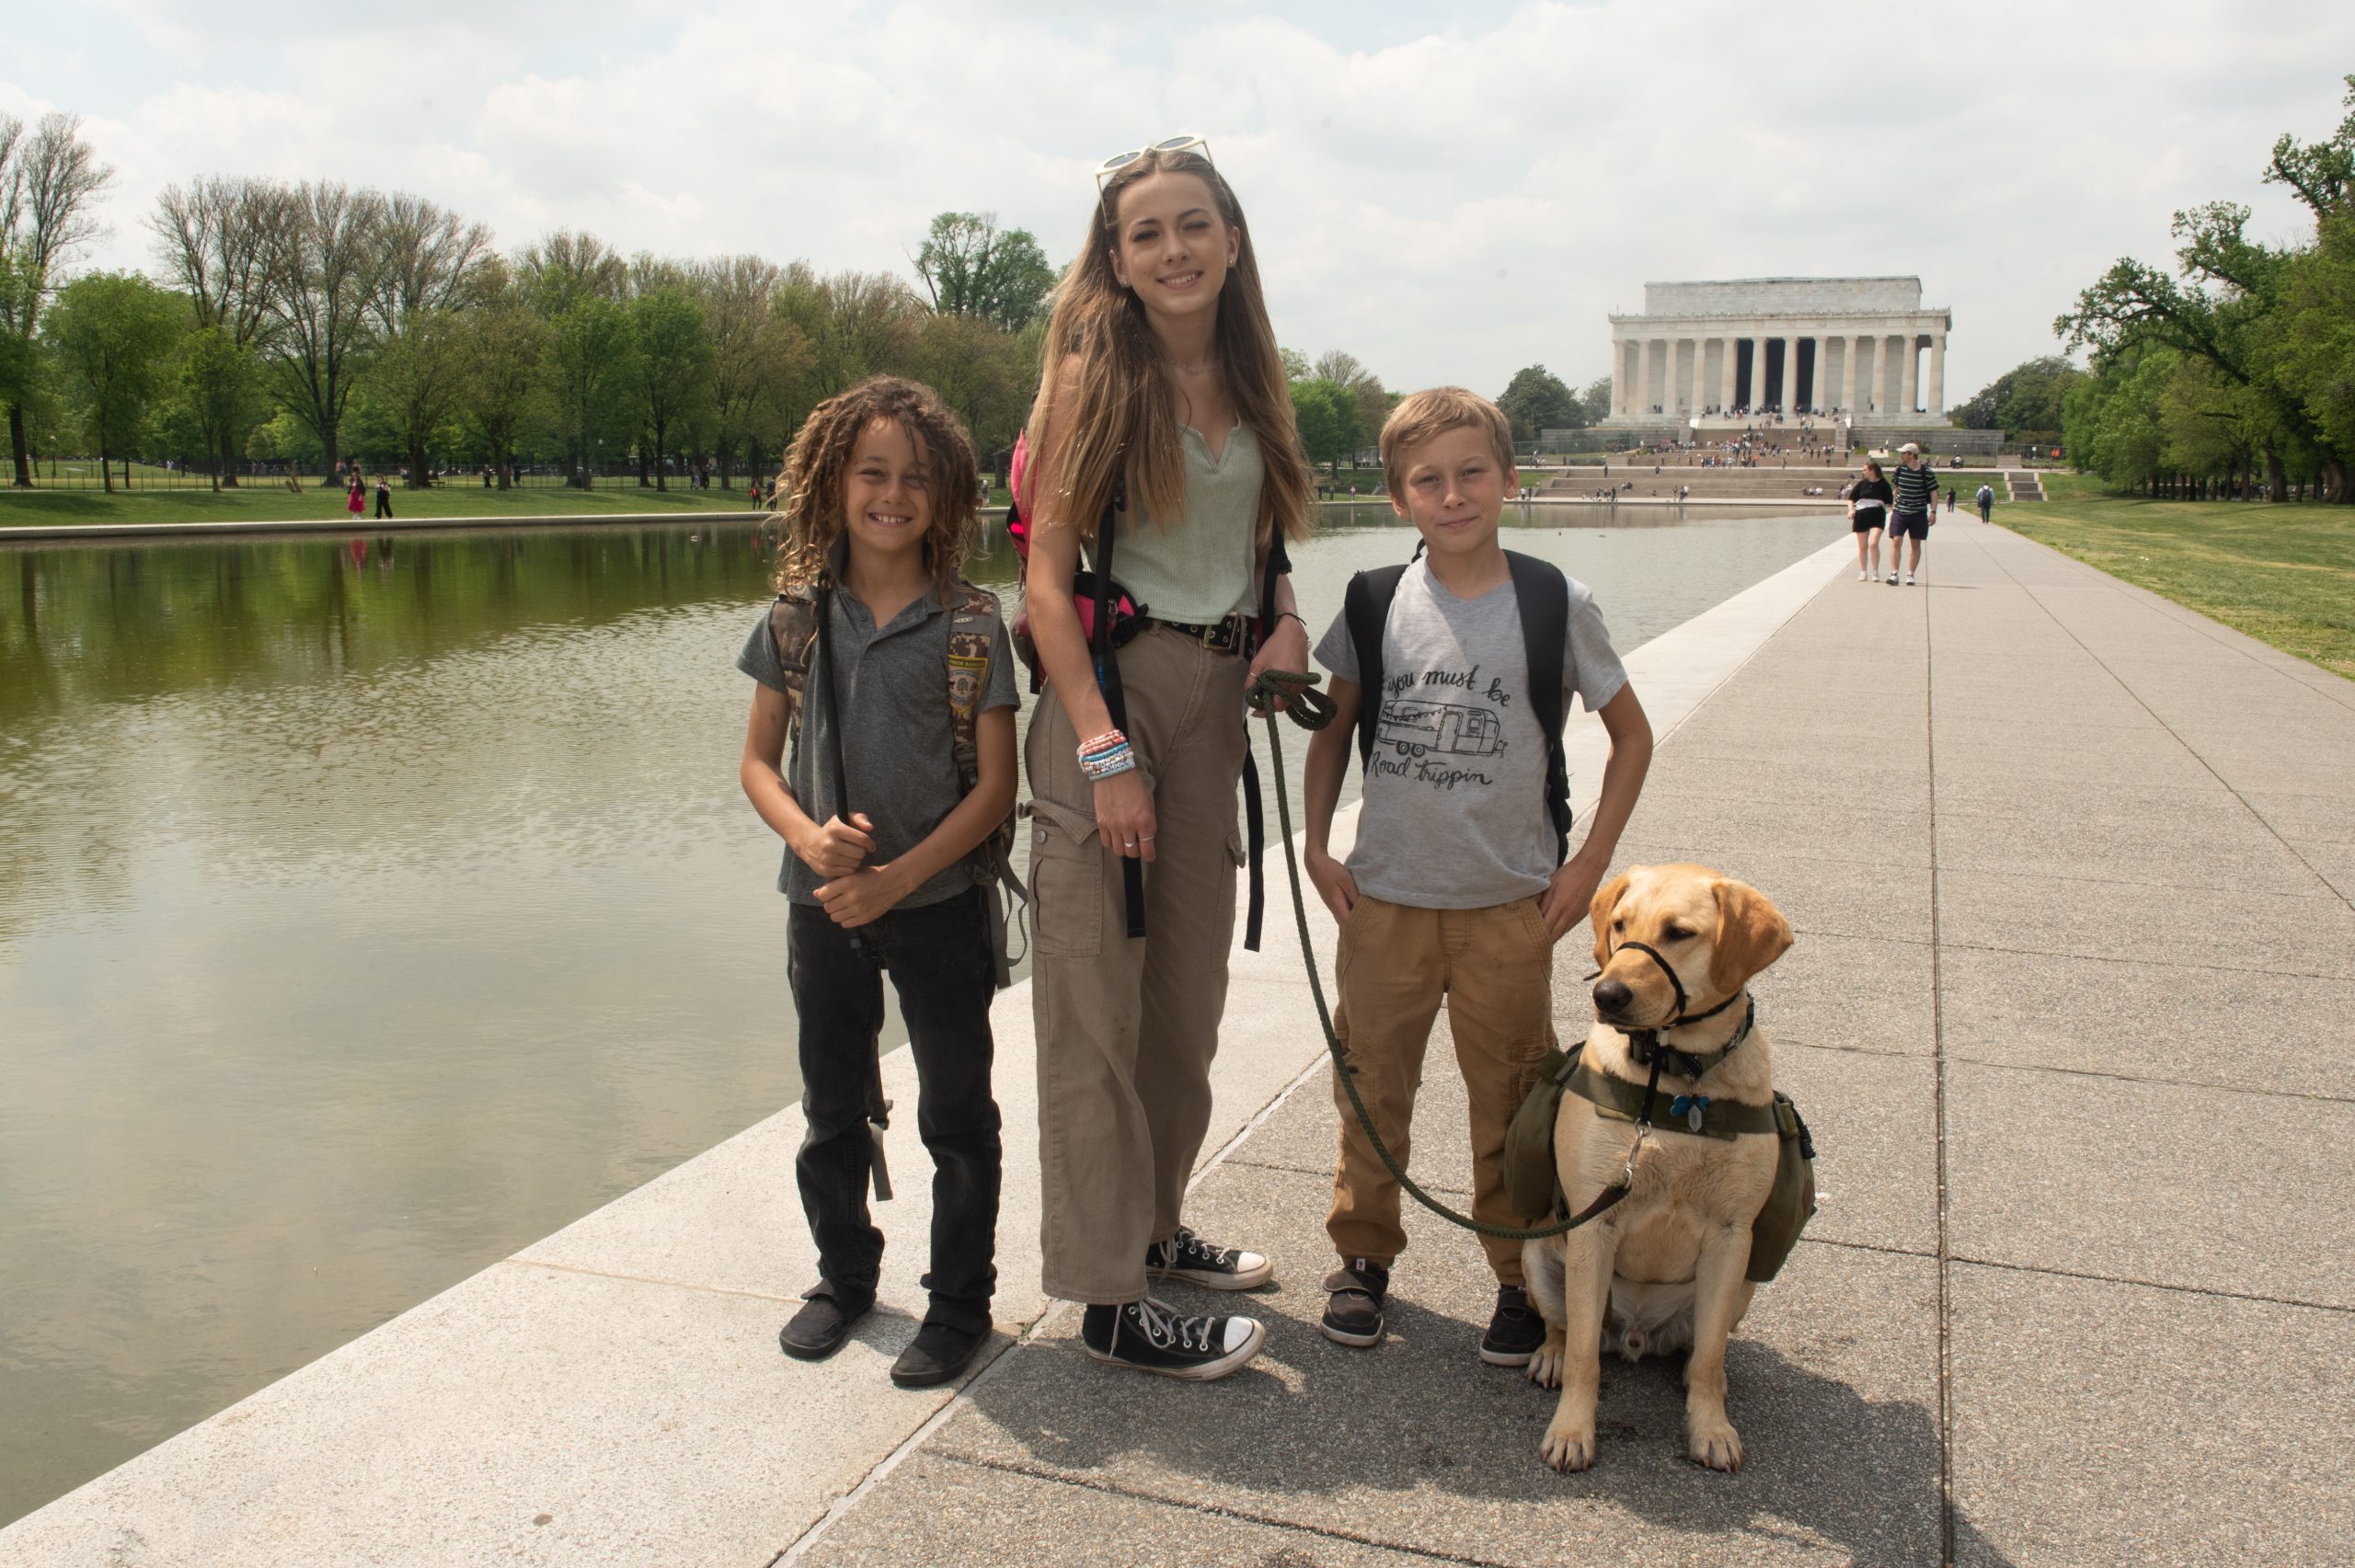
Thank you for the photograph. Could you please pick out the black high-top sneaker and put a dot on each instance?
(1188, 1257)
(1151, 1337)
(1515, 1331)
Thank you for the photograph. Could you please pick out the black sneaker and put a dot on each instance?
(818, 1330)
(1515, 1331)
(939, 1353)
(1353, 1312)
(1150, 1337)
(1188, 1257)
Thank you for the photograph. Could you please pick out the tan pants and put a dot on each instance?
(1495, 968)
(1127, 1028)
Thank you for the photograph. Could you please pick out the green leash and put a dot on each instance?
(1313, 710)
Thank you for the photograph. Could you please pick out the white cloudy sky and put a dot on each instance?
(1448, 190)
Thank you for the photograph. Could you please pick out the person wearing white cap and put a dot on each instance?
(1917, 502)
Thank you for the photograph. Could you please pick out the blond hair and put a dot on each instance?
(1423, 416)
(811, 518)
(1125, 420)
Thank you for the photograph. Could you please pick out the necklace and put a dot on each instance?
(1203, 368)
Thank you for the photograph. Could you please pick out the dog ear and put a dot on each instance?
(1598, 914)
(1751, 933)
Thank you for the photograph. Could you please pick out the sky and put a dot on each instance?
(1448, 191)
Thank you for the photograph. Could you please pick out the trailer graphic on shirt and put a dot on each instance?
(1455, 729)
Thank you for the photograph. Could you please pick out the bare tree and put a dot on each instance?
(50, 182)
(567, 267)
(325, 272)
(214, 237)
(756, 357)
(432, 259)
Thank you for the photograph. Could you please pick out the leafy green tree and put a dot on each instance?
(505, 342)
(857, 324)
(1594, 403)
(1326, 414)
(672, 366)
(757, 358)
(2110, 421)
(417, 382)
(1536, 399)
(970, 267)
(214, 237)
(217, 386)
(585, 372)
(1295, 364)
(50, 182)
(2317, 332)
(2029, 396)
(114, 334)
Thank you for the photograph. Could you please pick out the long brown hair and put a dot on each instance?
(1125, 414)
(811, 518)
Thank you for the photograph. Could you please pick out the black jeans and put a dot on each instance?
(939, 958)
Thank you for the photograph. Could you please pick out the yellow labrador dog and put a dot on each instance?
(1662, 1270)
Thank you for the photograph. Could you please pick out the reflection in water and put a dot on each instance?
(370, 908)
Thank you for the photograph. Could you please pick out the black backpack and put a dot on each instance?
(1542, 596)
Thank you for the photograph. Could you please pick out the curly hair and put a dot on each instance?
(810, 515)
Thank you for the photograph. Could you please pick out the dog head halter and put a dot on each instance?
(1644, 1045)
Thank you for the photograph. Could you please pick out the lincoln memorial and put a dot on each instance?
(1786, 345)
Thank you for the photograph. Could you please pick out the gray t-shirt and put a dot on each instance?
(892, 690)
(1454, 814)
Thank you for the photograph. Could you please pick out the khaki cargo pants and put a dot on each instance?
(1127, 1028)
(1494, 968)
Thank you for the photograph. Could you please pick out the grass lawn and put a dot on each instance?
(2284, 574)
(21, 509)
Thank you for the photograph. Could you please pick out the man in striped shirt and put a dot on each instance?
(1917, 500)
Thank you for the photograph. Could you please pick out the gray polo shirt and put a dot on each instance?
(891, 690)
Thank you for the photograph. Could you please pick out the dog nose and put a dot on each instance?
(1612, 996)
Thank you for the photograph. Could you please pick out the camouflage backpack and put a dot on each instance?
(973, 627)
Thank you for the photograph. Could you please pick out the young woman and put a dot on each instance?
(1869, 502)
(1162, 372)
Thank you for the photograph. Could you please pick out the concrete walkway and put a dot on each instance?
(2068, 1010)
(2070, 868)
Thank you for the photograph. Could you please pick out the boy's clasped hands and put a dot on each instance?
(855, 893)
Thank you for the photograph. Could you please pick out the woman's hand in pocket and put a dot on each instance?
(1124, 815)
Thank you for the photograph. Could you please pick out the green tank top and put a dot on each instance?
(1199, 568)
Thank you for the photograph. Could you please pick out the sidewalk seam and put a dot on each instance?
(1938, 1099)
(646, 1279)
(1215, 1510)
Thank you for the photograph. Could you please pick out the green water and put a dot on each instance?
(370, 908)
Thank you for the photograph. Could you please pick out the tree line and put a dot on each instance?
(2235, 372)
(308, 323)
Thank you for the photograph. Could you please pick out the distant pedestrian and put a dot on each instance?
(1869, 502)
(1917, 501)
(1986, 503)
(355, 500)
(384, 496)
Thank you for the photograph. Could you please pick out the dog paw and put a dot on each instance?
(1568, 1448)
(1545, 1367)
(1718, 1446)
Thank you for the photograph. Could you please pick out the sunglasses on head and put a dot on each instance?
(1119, 161)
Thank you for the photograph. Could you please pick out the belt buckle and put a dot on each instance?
(1217, 635)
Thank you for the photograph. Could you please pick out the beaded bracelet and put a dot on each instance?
(1103, 742)
(1107, 764)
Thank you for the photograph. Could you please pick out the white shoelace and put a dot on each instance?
(1187, 1242)
(1164, 1327)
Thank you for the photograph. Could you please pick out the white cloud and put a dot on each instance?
(1447, 199)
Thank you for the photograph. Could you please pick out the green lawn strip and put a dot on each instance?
(2284, 574)
(21, 509)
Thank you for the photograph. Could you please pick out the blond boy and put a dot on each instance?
(1456, 888)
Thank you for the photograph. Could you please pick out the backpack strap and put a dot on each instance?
(793, 629)
(973, 643)
(1365, 609)
(1542, 595)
